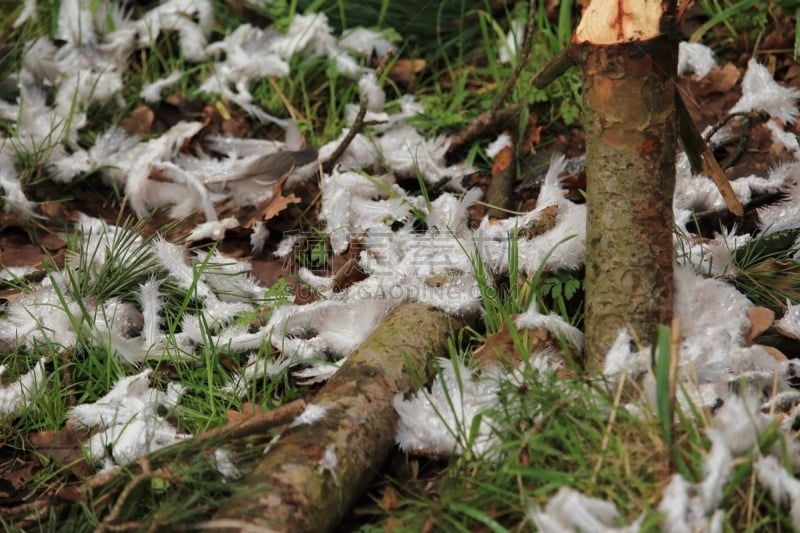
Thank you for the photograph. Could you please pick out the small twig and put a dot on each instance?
(701, 158)
(252, 425)
(509, 211)
(612, 417)
(358, 123)
(293, 111)
(66, 377)
(563, 61)
(527, 40)
(485, 121)
(748, 116)
(495, 114)
(750, 119)
(108, 522)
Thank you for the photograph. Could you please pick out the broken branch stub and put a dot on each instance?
(313, 473)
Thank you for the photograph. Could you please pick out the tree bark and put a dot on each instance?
(630, 165)
(310, 477)
(631, 142)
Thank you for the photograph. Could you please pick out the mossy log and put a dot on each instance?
(313, 473)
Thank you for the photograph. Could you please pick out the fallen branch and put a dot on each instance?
(488, 120)
(110, 493)
(501, 188)
(315, 471)
(256, 424)
(560, 64)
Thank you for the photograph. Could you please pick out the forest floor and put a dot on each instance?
(210, 205)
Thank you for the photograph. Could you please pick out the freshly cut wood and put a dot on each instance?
(313, 473)
(620, 21)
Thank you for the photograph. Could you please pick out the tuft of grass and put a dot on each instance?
(767, 272)
(735, 15)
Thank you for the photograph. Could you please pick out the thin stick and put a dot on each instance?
(108, 522)
(555, 68)
(612, 417)
(701, 158)
(495, 114)
(255, 424)
(358, 123)
(485, 121)
(523, 59)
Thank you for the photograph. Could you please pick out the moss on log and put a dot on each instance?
(313, 473)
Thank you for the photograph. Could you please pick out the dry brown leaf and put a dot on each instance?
(406, 70)
(774, 352)
(761, 319)
(19, 472)
(139, 121)
(720, 79)
(389, 500)
(16, 250)
(271, 208)
(499, 347)
(64, 446)
(533, 137)
(268, 272)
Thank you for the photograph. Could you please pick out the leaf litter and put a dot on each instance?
(190, 168)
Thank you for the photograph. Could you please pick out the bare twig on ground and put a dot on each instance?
(563, 61)
(701, 158)
(496, 114)
(358, 123)
(256, 424)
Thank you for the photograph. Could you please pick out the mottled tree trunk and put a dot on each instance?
(313, 473)
(630, 122)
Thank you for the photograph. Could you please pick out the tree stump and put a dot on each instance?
(629, 65)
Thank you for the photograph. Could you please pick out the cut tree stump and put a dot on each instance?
(312, 474)
(631, 143)
(628, 50)
(628, 54)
